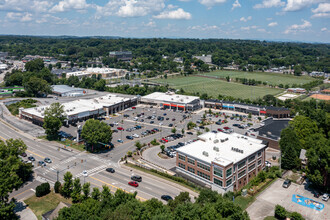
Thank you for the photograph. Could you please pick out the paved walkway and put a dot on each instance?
(24, 212)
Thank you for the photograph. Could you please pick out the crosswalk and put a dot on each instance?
(92, 171)
(63, 162)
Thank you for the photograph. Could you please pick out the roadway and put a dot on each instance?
(76, 162)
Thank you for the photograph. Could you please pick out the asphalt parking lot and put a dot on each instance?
(275, 194)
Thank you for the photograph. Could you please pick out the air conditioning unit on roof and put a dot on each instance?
(205, 153)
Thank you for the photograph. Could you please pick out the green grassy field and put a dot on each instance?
(212, 87)
(270, 78)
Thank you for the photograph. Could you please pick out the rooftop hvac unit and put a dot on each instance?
(42, 114)
(216, 141)
(35, 108)
(205, 153)
(177, 96)
(226, 139)
(216, 149)
(223, 140)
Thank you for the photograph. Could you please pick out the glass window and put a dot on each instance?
(203, 166)
(234, 167)
(217, 171)
(259, 162)
(241, 174)
(182, 166)
(228, 182)
(191, 161)
(259, 154)
(252, 167)
(191, 169)
(241, 164)
(181, 157)
(218, 182)
(205, 176)
(228, 172)
(252, 158)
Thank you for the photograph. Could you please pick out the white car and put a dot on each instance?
(161, 123)
(325, 197)
(136, 135)
(268, 164)
(84, 173)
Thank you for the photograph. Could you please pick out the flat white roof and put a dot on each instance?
(81, 105)
(222, 148)
(170, 97)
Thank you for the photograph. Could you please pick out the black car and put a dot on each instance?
(110, 170)
(181, 144)
(136, 178)
(201, 127)
(166, 197)
(189, 132)
(218, 122)
(115, 130)
(23, 154)
(286, 183)
(317, 194)
(236, 125)
(129, 137)
(31, 158)
(126, 116)
(170, 125)
(151, 122)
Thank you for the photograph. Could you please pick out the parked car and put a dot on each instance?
(136, 135)
(120, 128)
(219, 129)
(317, 194)
(166, 197)
(126, 116)
(47, 160)
(170, 125)
(190, 133)
(129, 137)
(151, 122)
(23, 154)
(133, 107)
(173, 119)
(214, 131)
(325, 197)
(136, 178)
(236, 125)
(268, 164)
(41, 163)
(31, 158)
(110, 170)
(286, 183)
(120, 141)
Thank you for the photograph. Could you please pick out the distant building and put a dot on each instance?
(3, 55)
(3, 66)
(271, 131)
(121, 55)
(67, 91)
(224, 162)
(206, 59)
(297, 90)
(105, 72)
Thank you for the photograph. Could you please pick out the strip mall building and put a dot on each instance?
(173, 101)
(223, 162)
(269, 111)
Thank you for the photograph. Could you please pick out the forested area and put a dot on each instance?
(147, 53)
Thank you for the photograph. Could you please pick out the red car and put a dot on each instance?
(133, 183)
(120, 128)
(219, 129)
(133, 107)
(164, 139)
(226, 128)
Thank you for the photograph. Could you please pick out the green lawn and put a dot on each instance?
(41, 205)
(244, 202)
(26, 103)
(213, 87)
(270, 78)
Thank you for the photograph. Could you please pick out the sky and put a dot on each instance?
(288, 20)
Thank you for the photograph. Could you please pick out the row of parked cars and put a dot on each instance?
(170, 137)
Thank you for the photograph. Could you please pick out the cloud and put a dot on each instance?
(298, 27)
(25, 5)
(245, 19)
(324, 29)
(211, 3)
(247, 28)
(17, 16)
(297, 5)
(178, 14)
(150, 24)
(236, 4)
(269, 4)
(204, 27)
(67, 5)
(323, 10)
(130, 8)
(272, 24)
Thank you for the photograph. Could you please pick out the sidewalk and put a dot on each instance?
(24, 212)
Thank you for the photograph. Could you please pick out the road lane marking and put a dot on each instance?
(35, 154)
(143, 199)
(22, 192)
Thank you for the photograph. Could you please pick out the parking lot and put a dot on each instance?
(265, 203)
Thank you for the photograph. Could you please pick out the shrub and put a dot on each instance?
(296, 216)
(280, 212)
(129, 153)
(57, 187)
(42, 189)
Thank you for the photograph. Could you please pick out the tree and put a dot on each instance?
(290, 147)
(162, 148)
(173, 130)
(280, 212)
(67, 185)
(58, 65)
(53, 120)
(34, 65)
(9, 171)
(182, 131)
(37, 87)
(100, 85)
(86, 190)
(191, 125)
(57, 187)
(96, 194)
(138, 145)
(95, 132)
(76, 191)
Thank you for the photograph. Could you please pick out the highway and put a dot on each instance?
(95, 164)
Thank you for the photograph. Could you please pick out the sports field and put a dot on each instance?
(270, 78)
(213, 87)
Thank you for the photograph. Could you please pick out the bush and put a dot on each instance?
(57, 187)
(42, 189)
(296, 216)
(280, 212)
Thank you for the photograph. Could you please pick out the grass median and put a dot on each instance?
(67, 143)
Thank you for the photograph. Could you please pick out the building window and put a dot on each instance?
(234, 177)
(259, 154)
(205, 176)
(202, 166)
(240, 165)
(228, 182)
(259, 162)
(191, 161)
(181, 157)
(182, 166)
(218, 182)
(234, 168)
(240, 174)
(229, 172)
(252, 158)
(252, 167)
(191, 169)
(217, 171)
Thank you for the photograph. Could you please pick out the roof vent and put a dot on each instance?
(216, 141)
(216, 149)
(205, 153)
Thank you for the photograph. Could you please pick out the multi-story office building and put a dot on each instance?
(224, 162)
(121, 55)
